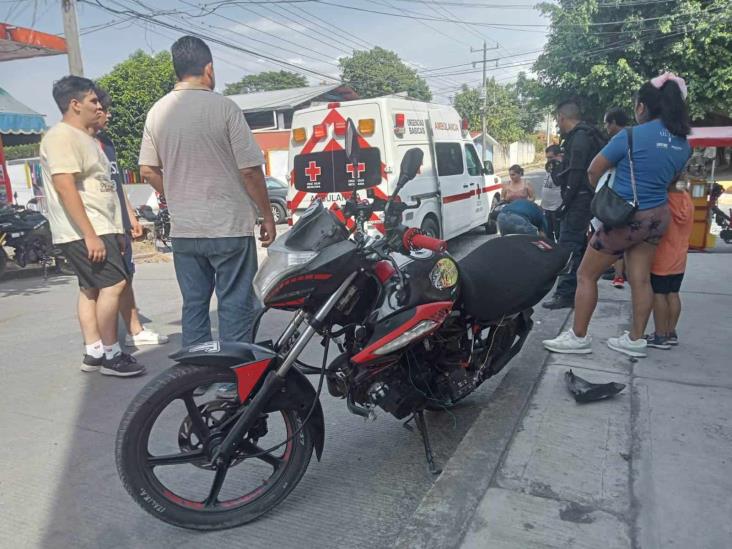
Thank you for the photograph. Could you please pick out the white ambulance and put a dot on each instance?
(454, 188)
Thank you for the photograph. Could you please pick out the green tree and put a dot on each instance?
(134, 86)
(503, 116)
(601, 52)
(526, 90)
(380, 72)
(266, 81)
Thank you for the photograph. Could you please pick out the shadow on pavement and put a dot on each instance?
(30, 286)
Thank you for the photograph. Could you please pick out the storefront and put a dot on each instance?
(15, 118)
(703, 174)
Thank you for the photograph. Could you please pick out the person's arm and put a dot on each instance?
(607, 158)
(65, 186)
(136, 227)
(503, 193)
(531, 194)
(598, 167)
(154, 177)
(151, 167)
(249, 160)
(256, 187)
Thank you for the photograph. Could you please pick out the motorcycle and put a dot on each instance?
(28, 233)
(415, 330)
(160, 222)
(720, 218)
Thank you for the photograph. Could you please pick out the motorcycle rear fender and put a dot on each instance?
(250, 363)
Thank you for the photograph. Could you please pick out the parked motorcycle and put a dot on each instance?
(160, 222)
(720, 218)
(28, 233)
(415, 330)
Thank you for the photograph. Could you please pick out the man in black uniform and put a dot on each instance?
(581, 142)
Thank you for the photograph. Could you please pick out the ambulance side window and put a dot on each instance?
(471, 157)
(449, 159)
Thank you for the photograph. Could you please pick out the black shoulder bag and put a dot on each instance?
(608, 206)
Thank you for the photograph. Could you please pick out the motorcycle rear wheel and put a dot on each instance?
(137, 465)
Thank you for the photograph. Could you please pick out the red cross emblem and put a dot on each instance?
(313, 171)
(355, 171)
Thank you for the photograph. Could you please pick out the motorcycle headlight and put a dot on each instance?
(407, 337)
(280, 262)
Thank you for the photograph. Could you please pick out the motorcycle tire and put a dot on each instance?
(136, 472)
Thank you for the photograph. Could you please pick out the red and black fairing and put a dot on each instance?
(399, 309)
(316, 280)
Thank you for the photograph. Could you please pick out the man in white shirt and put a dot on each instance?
(86, 223)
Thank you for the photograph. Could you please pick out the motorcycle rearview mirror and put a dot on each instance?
(410, 165)
(352, 145)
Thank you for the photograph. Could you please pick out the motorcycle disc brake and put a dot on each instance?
(215, 413)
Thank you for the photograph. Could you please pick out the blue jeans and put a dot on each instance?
(513, 223)
(227, 265)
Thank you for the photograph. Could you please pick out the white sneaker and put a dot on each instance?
(625, 345)
(567, 342)
(145, 337)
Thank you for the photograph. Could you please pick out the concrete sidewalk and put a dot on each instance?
(650, 468)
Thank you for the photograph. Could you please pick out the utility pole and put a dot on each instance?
(484, 93)
(71, 33)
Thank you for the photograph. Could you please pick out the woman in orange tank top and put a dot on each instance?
(516, 187)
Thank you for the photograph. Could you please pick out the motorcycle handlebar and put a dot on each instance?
(412, 239)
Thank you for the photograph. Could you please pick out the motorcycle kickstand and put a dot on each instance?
(422, 426)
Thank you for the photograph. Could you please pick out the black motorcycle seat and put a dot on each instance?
(508, 274)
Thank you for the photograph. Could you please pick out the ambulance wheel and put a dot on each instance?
(430, 227)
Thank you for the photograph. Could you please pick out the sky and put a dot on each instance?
(309, 35)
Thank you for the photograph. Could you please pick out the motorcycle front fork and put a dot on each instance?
(275, 379)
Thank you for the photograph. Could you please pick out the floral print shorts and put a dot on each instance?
(646, 226)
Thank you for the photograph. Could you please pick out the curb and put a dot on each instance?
(21, 273)
(446, 510)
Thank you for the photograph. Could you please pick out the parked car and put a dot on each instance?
(277, 190)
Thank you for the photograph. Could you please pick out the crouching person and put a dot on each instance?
(522, 216)
(86, 223)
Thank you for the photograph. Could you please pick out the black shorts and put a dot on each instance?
(97, 275)
(666, 284)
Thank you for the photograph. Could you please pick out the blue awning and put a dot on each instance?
(16, 118)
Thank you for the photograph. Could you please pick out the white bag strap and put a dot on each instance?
(629, 132)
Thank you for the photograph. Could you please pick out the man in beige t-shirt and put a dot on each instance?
(86, 223)
(198, 150)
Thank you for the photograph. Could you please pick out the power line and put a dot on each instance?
(513, 26)
(323, 58)
(213, 39)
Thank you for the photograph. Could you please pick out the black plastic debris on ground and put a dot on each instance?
(584, 391)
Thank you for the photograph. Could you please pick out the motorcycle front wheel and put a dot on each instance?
(168, 436)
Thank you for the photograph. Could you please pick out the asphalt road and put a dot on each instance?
(58, 483)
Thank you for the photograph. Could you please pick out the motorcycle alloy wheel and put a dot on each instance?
(168, 436)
